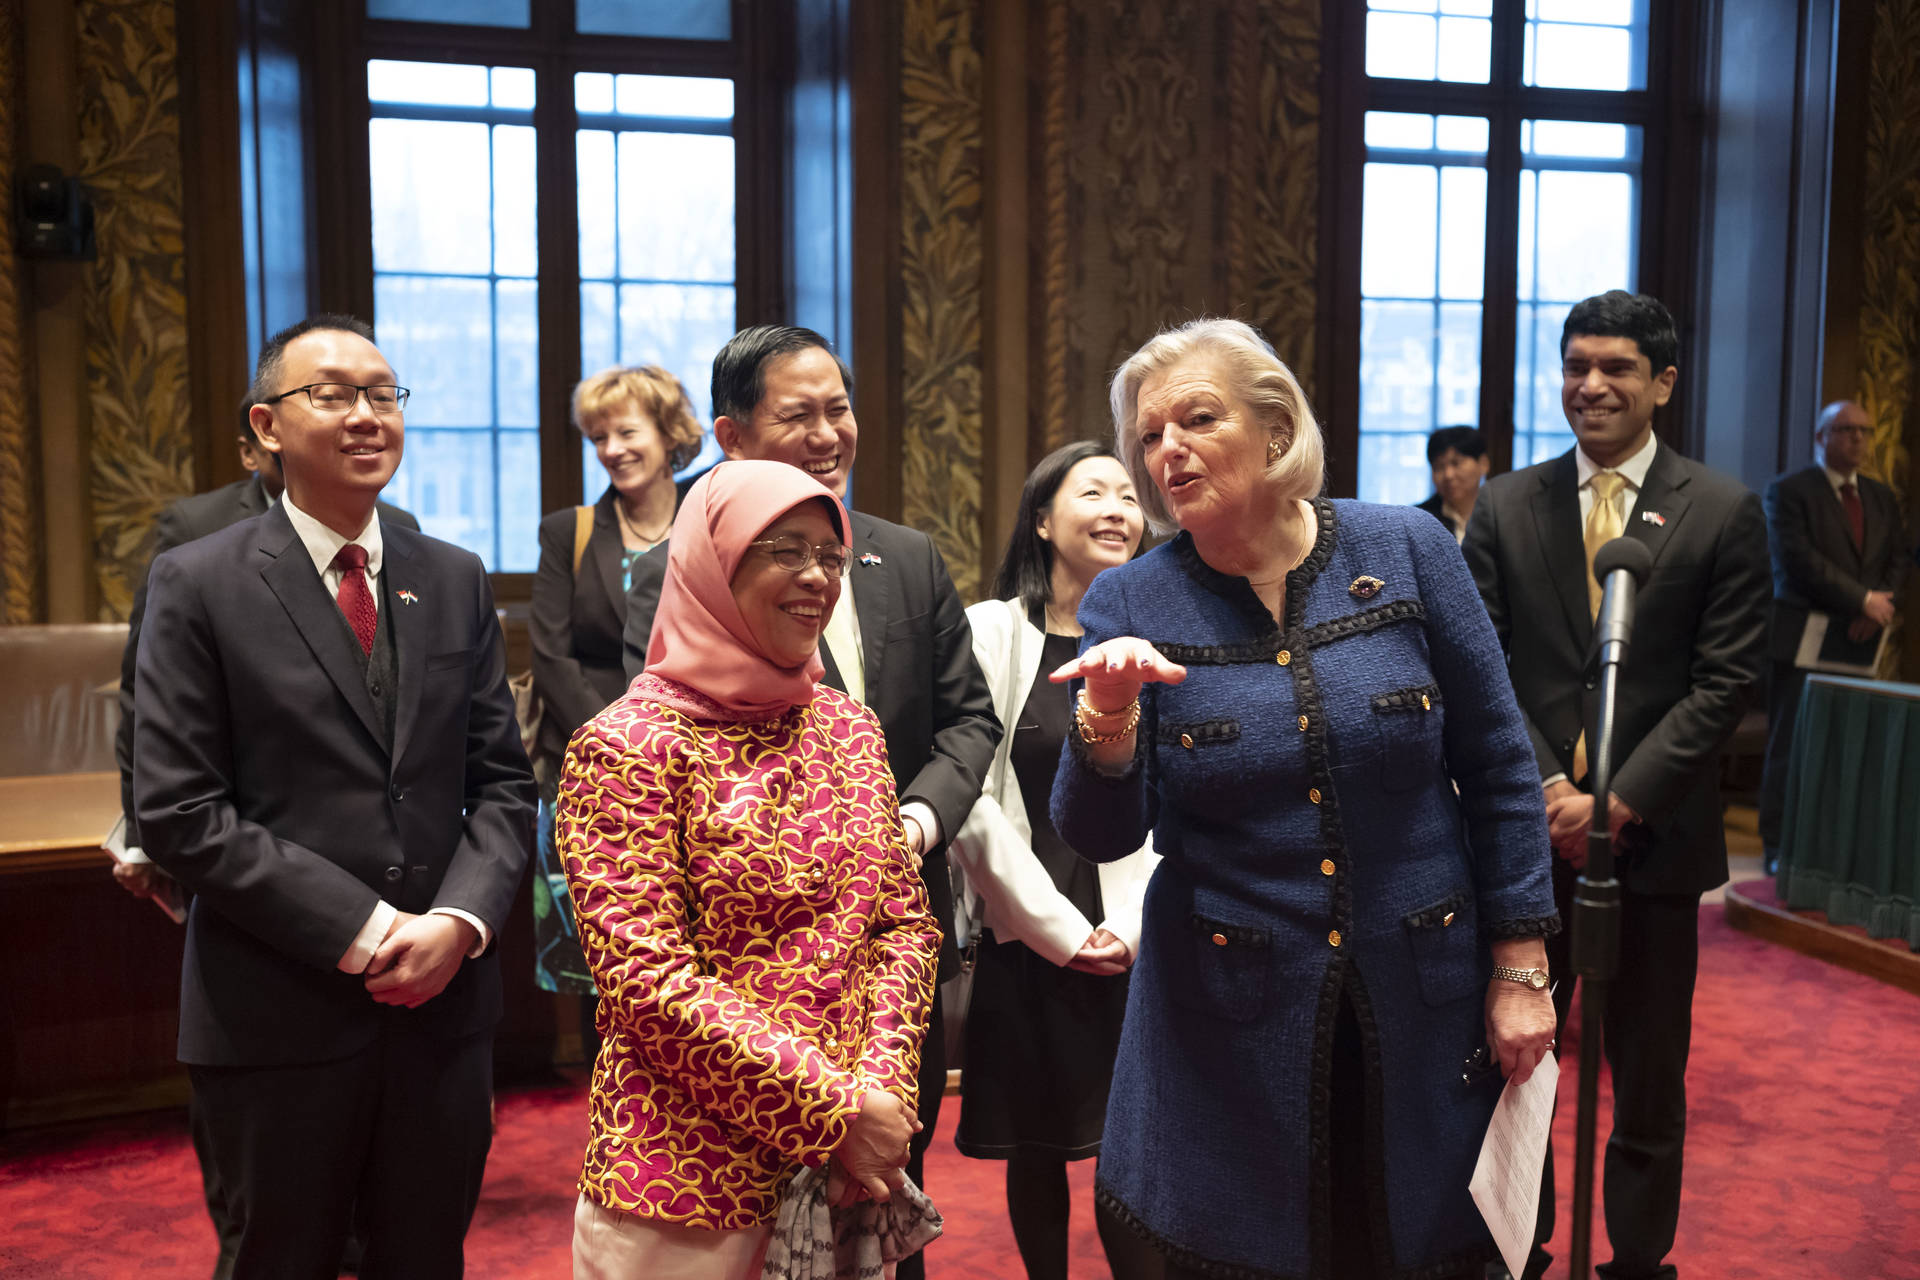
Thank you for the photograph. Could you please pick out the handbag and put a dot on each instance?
(528, 709)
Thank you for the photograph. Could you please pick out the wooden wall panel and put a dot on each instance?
(940, 262)
(136, 301)
(21, 596)
(1889, 315)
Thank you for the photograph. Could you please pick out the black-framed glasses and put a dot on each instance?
(339, 397)
(794, 553)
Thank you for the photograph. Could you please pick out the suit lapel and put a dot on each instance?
(1662, 502)
(605, 550)
(872, 596)
(408, 620)
(1556, 519)
(253, 497)
(289, 575)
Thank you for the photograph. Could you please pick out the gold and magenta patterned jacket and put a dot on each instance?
(761, 942)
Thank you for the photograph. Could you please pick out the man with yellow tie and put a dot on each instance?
(1697, 649)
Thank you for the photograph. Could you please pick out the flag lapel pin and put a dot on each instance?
(1654, 518)
(408, 597)
(869, 558)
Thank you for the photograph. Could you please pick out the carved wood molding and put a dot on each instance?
(21, 596)
(136, 303)
(941, 236)
(1889, 340)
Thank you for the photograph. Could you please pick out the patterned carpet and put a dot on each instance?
(1803, 1156)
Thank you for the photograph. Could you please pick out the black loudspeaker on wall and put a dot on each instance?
(53, 216)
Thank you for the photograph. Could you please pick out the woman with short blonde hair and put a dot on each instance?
(1305, 704)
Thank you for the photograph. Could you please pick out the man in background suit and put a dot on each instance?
(1457, 457)
(904, 647)
(181, 522)
(325, 756)
(1838, 548)
(1696, 649)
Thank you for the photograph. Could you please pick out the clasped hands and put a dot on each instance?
(418, 958)
(870, 1161)
(1570, 816)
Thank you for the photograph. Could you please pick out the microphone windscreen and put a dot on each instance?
(1623, 553)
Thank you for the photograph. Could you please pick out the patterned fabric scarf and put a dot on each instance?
(813, 1241)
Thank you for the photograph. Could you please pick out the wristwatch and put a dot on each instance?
(1535, 978)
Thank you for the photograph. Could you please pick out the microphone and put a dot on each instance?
(1622, 567)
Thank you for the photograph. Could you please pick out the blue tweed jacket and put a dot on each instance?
(1301, 784)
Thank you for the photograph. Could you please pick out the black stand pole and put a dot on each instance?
(1596, 959)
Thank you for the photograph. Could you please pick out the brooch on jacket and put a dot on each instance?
(1365, 587)
(869, 558)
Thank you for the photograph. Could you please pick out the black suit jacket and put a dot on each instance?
(1434, 507)
(263, 782)
(1697, 646)
(181, 522)
(921, 679)
(576, 623)
(1815, 564)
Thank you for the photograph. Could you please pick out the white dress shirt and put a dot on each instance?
(841, 635)
(323, 544)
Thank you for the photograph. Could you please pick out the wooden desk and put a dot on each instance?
(1850, 845)
(56, 821)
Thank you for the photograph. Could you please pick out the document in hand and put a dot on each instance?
(166, 894)
(1506, 1181)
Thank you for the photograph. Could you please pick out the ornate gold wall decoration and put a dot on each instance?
(941, 238)
(1179, 176)
(136, 301)
(1276, 162)
(1890, 258)
(20, 587)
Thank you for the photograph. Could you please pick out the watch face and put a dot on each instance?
(1537, 980)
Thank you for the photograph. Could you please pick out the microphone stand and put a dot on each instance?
(1596, 938)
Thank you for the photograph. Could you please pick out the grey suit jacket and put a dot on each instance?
(1815, 564)
(183, 521)
(1697, 644)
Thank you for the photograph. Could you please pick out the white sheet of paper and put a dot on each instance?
(1506, 1181)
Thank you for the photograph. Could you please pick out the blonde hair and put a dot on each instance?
(649, 389)
(1254, 374)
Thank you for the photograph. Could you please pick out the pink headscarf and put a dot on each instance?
(699, 639)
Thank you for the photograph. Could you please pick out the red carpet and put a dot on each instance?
(1803, 1156)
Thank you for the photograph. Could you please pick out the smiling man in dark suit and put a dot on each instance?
(181, 522)
(903, 648)
(1696, 650)
(325, 755)
(1838, 548)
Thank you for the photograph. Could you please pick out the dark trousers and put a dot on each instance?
(402, 1126)
(933, 1086)
(1784, 683)
(1645, 1035)
(224, 1227)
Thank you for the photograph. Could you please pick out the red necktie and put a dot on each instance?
(1856, 514)
(354, 597)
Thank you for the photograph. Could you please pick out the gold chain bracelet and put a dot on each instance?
(1083, 711)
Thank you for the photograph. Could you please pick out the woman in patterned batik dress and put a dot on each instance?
(747, 904)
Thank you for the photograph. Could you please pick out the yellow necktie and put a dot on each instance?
(1603, 526)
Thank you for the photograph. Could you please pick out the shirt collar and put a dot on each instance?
(1634, 469)
(323, 544)
(1838, 478)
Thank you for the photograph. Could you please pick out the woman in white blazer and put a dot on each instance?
(1054, 935)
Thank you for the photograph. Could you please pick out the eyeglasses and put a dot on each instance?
(1857, 432)
(340, 397)
(794, 553)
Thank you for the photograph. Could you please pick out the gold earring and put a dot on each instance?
(1274, 450)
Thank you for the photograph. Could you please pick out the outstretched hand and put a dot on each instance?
(1115, 670)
